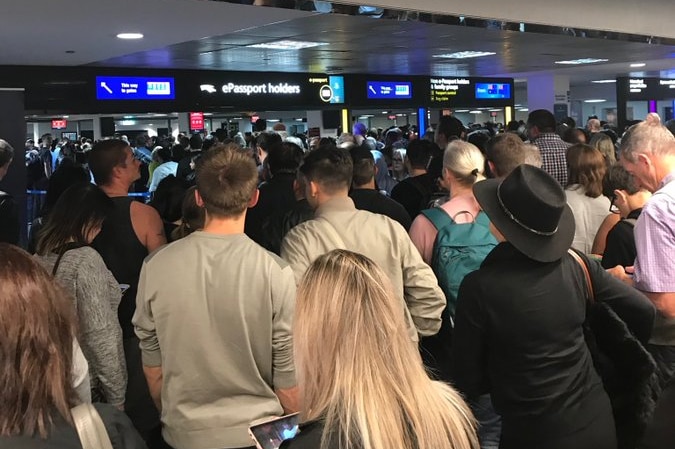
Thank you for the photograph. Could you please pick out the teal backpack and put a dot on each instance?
(459, 249)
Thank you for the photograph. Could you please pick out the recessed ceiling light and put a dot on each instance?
(603, 81)
(287, 45)
(130, 36)
(595, 100)
(272, 120)
(475, 112)
(581, 61)
(385, 112)
(638, 64)
(465, 54)
(495, 110)
(524, 110)
(461, 110)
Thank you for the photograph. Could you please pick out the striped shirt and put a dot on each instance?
(553, 155)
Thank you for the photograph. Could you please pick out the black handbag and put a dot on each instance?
(627, 369)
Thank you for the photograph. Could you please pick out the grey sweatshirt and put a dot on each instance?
(96, 296)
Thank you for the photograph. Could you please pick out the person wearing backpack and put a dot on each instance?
(627, 200)
(454, 239)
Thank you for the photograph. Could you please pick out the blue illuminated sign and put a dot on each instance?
(337, 85)
(134, 88)
(493, 91)
(388, 90)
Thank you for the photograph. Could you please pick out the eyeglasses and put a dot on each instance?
(613, 208)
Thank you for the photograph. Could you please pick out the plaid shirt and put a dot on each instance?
(553, 155)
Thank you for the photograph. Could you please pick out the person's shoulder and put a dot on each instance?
(302, 229)
(144, 210)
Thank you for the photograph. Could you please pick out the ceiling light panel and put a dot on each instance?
(288, 45)
(603, 81)
(581, 61)
(130, 36)
(465, 54)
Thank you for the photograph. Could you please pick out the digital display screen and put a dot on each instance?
(388, 90)
(500, 91)
(134, 88)
(271, 434)
(337, 86)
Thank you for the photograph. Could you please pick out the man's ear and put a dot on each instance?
(198, 199)
(314, 189)
(644, 159)
(493, 170)
(620, 195)
(254, 199)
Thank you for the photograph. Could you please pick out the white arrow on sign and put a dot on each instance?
(105, 86)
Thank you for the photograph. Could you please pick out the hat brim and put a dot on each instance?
(537, 247)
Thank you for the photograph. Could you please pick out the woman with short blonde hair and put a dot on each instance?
(361, 378)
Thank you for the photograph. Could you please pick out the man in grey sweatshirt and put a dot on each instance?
(213, 315)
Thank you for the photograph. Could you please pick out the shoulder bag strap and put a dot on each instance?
(587, 274)
(631, 221)
(438, 217)
(90, 428)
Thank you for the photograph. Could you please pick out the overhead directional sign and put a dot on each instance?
(388, 90)
(134, 88)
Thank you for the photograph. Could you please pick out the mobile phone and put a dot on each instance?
(271, 433)
(124, 287)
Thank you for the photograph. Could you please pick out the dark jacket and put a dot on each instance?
(373, 201)
(277, 226)
(415, 193)
(64, 436)
(276, 198)
(519, 336)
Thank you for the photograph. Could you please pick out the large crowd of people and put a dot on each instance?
(465, 288)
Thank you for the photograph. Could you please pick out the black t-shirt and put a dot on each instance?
(123, 254)
(415, 193)
(374, 201)
(620, 248)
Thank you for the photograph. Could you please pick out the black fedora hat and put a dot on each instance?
(530, 209)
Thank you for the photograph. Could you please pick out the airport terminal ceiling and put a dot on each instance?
(222, 35)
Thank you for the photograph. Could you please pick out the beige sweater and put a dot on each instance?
(215, 312)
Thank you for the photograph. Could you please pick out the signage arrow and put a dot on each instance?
(105, 86)
(207, 88)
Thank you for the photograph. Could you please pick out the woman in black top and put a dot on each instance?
(518, 332)
(627, 201)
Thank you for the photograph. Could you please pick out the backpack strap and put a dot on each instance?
(631, 221)
(438, 217)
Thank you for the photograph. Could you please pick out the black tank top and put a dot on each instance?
(123, 253)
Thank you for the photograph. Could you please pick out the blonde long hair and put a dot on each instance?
(358, 370)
